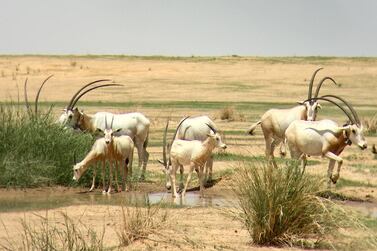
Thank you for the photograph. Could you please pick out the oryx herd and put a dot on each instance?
(195, 138)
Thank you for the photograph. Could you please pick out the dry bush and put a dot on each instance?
(139, 222)
(370, 125)
(280, 207)
(230, 114)
(64, 234)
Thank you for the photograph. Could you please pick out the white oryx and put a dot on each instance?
(195, 128)
(115, 149)
(194, 153)
(325, 138)
(275, 121)
(135, 124)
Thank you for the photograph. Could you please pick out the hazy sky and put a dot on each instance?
(192, 27)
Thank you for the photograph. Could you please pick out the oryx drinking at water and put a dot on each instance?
(135, 125)
(275, 121)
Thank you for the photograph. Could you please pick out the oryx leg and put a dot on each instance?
(332, 156)
(181, 171)
(283, 150)
(126, 164)
(274, 143)
(94, 179)
(173, 171)
(329, 172)
(111, 166)
(191, 169)
(208, 171)
(103, 177)
(140, 153)
(201, 181)
(116, 170)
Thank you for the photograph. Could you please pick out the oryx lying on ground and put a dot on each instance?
(325, 138)
(195, 128)
(135, 125)
(275, 121)
(27, 104)
(118, 149)
(194, 153)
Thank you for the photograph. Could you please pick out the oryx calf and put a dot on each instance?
(275, 122)
(118, 149)
(325, 138)
(194, 153)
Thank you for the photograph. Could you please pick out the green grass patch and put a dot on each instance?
(353, 183)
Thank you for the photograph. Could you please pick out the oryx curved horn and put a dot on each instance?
(69, 106)
(91, 89)
(26, 98)
(39, 92)
(176, 130)
(106, 122)
(311, 83)
(164, 157)
(112, 120)
(353, 111)
(333, 102)
(211, 127)
(320, 85)
(184, 133)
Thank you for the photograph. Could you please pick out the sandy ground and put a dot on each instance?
(196, 79)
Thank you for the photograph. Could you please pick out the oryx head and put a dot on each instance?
(216, 138)
(108, 132)
(311, 104)
(353, 130)
(78, 169)
(166, 161)
(71, 114)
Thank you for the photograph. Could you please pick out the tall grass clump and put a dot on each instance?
(139, 222)
(371, 125)
(61, 234)
(280, 207)
(36, 151)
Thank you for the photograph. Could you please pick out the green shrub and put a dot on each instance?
(36, 151)
(280, 206)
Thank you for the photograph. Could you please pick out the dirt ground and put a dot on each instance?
(261, 82)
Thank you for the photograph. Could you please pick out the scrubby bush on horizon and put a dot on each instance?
(35, 151)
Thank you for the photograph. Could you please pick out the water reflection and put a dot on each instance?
(28, 202)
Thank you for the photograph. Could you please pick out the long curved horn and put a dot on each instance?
(112, 120)
(320, 85)
(184, 133)
(106, 121)
(311, 83)
(354, 113)
(212, 128)
(176, 130)
(39, 92)
(333, 102)
(164, 157)
(27, 104)
(69, 106)
(91, 89)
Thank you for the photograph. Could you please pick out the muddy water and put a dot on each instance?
(26, 202)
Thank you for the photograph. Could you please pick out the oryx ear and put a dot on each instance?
(64, 110)
(76, 109)
(118, 130)
(319, 106)
(300, 102)
(99, 130)
(344, 128)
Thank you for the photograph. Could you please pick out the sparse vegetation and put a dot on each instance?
(53, 234)
(370, 124)
(139, 222)
(229, 113)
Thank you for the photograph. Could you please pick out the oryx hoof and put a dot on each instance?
(283, 154)
(333, 180)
